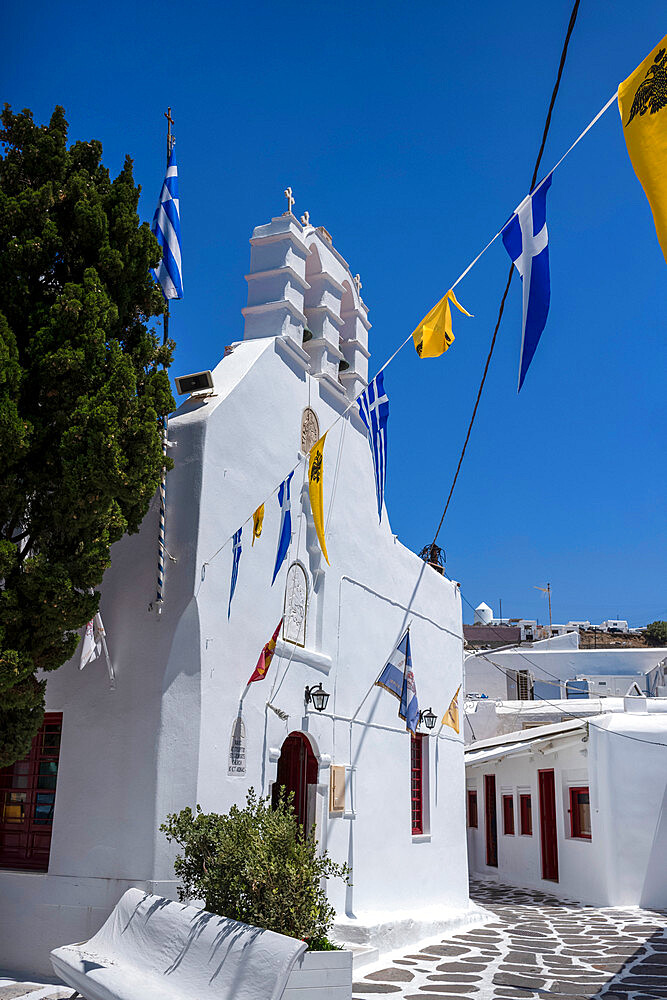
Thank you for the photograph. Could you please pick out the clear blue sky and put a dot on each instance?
(410, 130)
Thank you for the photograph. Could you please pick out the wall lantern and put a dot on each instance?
(428, 718)
(318, 696)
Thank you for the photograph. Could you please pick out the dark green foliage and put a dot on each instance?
(256, 865)
(80, 397)
(656, 634)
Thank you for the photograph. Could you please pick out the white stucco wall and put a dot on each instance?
(484, 678)
(160, 740)
(581, 874)
(623, 863)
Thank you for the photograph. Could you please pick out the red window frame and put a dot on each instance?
(525, 815)
(575, 820)
(473, 821)
(508, 815)
(27, 798)
(417, 782)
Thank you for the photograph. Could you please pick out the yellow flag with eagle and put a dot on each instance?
(642, 102)
(434, 334)
(315, 484)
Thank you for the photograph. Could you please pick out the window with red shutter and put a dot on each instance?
(27, 796)
(580, 813)
(472, 809)
(417, 782)
(525, 816)
(508, 814)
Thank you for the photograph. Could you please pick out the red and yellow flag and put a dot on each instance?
(265, 657)
(642, 101)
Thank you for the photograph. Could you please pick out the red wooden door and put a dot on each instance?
(27, 795)
(297, 772)
(491, 820)
(548, 833)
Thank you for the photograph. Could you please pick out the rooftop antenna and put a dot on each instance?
(547, 590)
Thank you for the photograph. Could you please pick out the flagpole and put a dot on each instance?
(165, 428)
(112, 675)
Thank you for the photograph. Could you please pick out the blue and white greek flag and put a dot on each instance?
(374, 410)
(527, 242)
(398, 679)
(236, 558)
(285, 536)
(166, 227)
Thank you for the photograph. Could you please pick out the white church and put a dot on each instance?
(181, 725)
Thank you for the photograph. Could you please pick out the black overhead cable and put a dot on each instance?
(547, 125)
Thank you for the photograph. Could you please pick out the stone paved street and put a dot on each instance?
(538, 946)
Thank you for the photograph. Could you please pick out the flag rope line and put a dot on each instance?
(407, 340)
(501, 309)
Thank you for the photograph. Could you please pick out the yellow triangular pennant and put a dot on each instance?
(257, 523)
(451, 716)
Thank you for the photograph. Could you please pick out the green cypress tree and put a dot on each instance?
(82, 391)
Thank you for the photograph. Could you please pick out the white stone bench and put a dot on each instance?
(152, 948)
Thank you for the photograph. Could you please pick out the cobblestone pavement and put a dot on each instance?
(538, 946)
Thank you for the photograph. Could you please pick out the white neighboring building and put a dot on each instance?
(181, 727)
(554, 670)
(578, 809)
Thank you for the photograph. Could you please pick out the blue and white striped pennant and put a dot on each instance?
(166, 227)
(374, 409)
(285, 534)
(236, 558)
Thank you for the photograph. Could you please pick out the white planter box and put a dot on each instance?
(321, 975)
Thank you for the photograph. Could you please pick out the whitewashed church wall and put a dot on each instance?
(357, 611)
(161, 739)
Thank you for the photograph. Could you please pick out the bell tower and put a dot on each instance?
(301, 289)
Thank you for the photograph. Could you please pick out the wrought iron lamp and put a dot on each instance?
(428, 718)
(318, 696)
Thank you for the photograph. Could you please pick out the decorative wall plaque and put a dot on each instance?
(237, 747)
(310, 430)
(296, 605)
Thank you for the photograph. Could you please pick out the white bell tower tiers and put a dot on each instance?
(301, 289)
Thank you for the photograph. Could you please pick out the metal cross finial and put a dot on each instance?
(290, 200)
(305, 218)
(357, 284)
(170, 138)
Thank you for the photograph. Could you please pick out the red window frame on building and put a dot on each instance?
(508, 815)
(576, 827)
(525, 815)
(27, 797)
(417, 782)
(473, 821)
